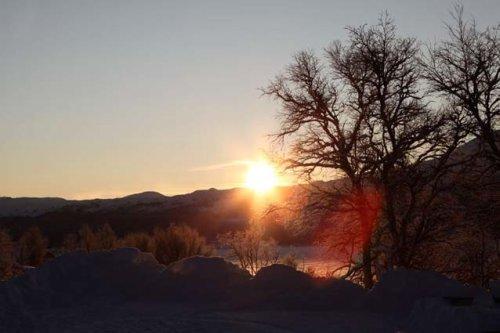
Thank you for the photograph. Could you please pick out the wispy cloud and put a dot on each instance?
(219, 166)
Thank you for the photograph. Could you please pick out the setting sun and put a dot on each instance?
(261, 177)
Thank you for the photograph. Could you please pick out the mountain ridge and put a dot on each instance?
(210, 211)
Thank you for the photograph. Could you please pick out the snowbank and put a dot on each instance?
(208, 270)
(73, 280)
(283, 287)
(202, 279)
(430, 302)
(495, 289)
(79, 286)
(435, 315)
(79, 277)
(340, 295)
(282, 278)
(398, 290)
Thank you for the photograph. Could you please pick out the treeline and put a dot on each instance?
(166, 244)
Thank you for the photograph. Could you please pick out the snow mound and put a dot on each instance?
(279, 287)
(77, 286)
(205, 279)
(436, 315)
(73, 280)
(283, 287)
(342, 295)
(398, 289)
(78, 278)
(495, 288)
(279, 278)
(208, 269)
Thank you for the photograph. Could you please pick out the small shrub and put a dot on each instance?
(88, 240)
(251, 249)
(6, 256)
(32, 247)
(105, 238)
(139, 240)
(70, 243)
(178, 242)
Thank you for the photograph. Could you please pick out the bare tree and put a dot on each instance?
(465, 70)
(327, 135)
(364, 118)
(250, 248)
(472, 255)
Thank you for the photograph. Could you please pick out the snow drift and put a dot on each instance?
(76, 284)
(399, 289)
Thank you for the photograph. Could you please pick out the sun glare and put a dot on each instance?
(261, 177)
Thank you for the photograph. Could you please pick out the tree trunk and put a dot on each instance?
(367, 220)
(367, 265)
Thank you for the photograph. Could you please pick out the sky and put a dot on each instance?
(108, 98)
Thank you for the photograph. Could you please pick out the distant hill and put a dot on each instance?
(210, 211)
(29, 206)
(36, 207)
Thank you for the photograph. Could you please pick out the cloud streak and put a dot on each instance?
(219, 166)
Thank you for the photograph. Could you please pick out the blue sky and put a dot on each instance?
(104, 98)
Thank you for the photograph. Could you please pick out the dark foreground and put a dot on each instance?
(128, 291)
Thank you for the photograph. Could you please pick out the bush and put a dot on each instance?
(251, 249)
(32, 247)
(139, 240)
(6, 256)
(105, 238)
(167, 245)
(178, 242)
(88, 240)
(70, 242)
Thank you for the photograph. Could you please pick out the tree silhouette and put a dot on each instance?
(361, 116)
(251, 248)
(465, 70)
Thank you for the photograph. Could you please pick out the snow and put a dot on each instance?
(282, 278)
(495, 288)
(399, 289)
(435, 315)
(126, 290)
(202, 279)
